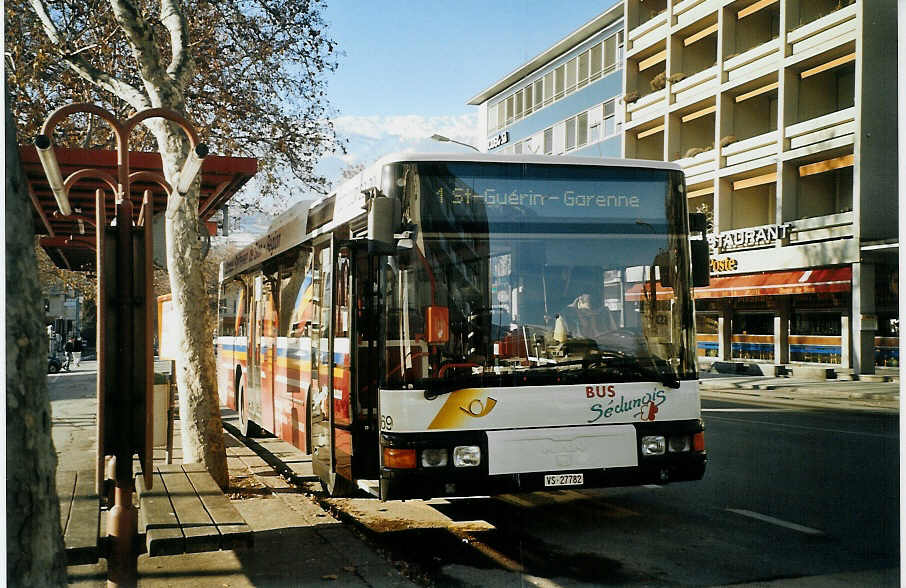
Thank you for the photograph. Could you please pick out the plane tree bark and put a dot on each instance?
(33, 535)
(247, 73)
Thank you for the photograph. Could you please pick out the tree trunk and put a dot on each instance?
(35, 555)
(196, 375)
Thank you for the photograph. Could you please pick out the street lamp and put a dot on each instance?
(443, 139)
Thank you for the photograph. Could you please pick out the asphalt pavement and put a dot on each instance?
(295, 541)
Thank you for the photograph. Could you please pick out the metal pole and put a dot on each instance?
(170, 411)
(122, 568)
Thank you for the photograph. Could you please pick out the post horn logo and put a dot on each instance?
(477, 410)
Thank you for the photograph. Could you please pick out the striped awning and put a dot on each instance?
(821, 280)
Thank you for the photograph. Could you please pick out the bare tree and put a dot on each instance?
(246, 72)
(32, 510)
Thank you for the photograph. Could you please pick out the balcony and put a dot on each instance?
(818, 195)
(755, 61)
(695, 87)
(750, 149)
(822, 25)
(647, 23)
(647, 107)
(751, 130)
(700, 166)
(828, 131)
(646, 143)
(646, 84)
(690, 11)
(752, 199)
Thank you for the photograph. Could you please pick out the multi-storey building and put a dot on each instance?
(783, 114)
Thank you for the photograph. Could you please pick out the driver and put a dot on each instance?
(584, 321)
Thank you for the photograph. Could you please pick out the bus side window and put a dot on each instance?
(296, 297)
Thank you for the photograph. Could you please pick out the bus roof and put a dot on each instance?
(290, 228)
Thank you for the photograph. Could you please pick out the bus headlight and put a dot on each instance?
(466, 456)
(679, 443)
(434, 458)
(654, 445)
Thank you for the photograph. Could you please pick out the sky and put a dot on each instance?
(407, 69)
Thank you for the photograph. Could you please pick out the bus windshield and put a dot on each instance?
(531, 274)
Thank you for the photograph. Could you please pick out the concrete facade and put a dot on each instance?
(783, 114)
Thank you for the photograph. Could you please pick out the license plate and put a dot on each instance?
(564, 479)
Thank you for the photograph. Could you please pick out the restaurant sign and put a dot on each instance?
(748, 237)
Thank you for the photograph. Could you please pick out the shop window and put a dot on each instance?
(815, 337)
(887, 340)
(706, 334)
(753, 336)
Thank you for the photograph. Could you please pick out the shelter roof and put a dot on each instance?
(68, 242)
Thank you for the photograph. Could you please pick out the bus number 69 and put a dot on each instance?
(386, 423)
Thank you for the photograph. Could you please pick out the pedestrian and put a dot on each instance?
(77, 350)
(68, 348)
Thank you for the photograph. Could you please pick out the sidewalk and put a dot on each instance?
(835, 394)
(295, 541)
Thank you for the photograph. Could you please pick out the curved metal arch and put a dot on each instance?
(90, 173)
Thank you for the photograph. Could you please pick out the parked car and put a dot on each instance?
(54, 364)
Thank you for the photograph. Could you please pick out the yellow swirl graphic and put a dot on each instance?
(462, 405)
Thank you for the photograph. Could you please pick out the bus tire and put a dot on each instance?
(339, 488)
(243, 412)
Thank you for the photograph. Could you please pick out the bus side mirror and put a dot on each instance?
(701, 263)
(383, 222)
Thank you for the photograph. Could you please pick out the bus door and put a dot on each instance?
(343, 383)
(320, 408)
(364, 340)
(266, 344)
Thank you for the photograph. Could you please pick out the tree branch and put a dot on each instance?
(181, 64)
(141, 39)
(85, 70)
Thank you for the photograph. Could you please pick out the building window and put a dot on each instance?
(518, 104)
(492, 118)
(558, 82)
(548, 87)
(595, 59)
(582, 129)
(583, 69)
(571, 75)
(527, 146)
(509, 109)
(594, 133)
(528, 99)
(610, 54)
(501, 114)
(517, 148)
(619, 48)
(609, 118)
(548, 141)
(539, 93)
(570, 133)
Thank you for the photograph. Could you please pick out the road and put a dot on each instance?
(789, 492)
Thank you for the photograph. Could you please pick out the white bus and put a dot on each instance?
(448, 325)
